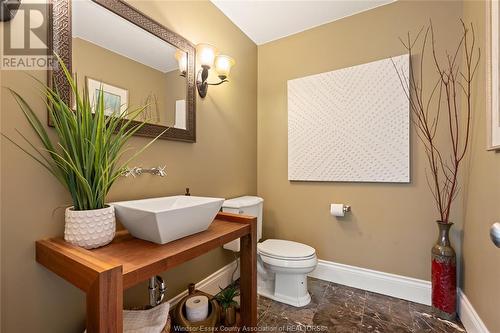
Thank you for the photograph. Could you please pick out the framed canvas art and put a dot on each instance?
(350, 124)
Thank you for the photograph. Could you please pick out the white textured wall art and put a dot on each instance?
(350, 125)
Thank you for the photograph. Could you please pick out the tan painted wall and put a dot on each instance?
(391, 227)
(221, 163)
(481, 271)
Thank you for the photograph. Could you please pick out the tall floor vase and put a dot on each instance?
(444, 274)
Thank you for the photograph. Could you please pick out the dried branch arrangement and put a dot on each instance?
(442, 102)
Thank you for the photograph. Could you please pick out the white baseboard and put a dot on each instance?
(222, 278)
(411, 289)
(469, 317)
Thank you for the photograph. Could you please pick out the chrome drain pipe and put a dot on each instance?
(157, 290)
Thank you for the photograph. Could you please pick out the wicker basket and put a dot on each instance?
(212, 319)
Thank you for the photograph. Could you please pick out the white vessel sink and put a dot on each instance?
(162, 220)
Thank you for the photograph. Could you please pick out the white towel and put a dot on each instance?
(146, 321)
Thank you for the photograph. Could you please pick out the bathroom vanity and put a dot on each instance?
(104, 273)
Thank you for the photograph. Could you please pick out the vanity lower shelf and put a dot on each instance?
(105, 272)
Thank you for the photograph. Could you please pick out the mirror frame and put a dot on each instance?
(60, 42)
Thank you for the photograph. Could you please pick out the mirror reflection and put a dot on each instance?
(133, 67)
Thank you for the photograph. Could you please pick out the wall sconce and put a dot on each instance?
(181, 58)
(208, 58)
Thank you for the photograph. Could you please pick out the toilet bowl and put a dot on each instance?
(282, 265)
(283, 272)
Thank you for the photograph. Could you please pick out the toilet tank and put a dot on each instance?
(246, 205)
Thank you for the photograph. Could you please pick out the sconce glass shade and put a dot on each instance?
(223, 65)
(206, 54)
(181, 58)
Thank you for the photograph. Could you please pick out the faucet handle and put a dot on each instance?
(128, 172)
(135, 171)
(161, 171)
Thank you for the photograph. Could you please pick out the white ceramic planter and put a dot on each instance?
(90, 228)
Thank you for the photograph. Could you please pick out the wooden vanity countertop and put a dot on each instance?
(138, 259)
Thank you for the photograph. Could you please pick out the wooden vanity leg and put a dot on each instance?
(105, 303)
(248, 278)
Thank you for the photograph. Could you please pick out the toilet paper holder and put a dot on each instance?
(339, 210)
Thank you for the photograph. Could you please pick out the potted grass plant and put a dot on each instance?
(226, 300)
(86, 158)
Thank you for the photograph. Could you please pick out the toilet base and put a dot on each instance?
(297, 302)
(286, 288)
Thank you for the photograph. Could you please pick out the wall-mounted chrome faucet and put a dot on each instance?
(137, 171)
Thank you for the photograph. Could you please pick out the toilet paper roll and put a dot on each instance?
(197, 308)
(337, 209)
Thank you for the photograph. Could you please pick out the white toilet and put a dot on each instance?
(282, 265)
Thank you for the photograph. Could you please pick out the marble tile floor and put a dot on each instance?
(337, 308)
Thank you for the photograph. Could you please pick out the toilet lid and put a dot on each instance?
(285, 249)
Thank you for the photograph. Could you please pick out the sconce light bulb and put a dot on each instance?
(223, 65)
(206, 54)
(182, 61)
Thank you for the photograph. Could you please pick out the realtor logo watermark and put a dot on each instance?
(25, 44)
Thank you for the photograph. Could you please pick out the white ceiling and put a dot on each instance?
(99, 26)
(266, 20)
